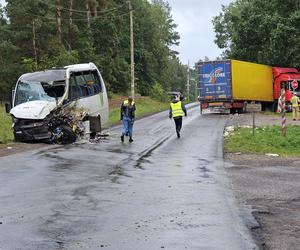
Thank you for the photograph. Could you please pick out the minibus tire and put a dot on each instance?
(68, 135)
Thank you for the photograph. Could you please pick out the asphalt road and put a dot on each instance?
(159, 192)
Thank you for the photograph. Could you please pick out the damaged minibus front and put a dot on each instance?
(52, 105)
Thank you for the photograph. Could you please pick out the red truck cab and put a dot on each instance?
(287, 75)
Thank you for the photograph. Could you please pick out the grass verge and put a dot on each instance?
(6, 133)
(144, 106)
(266, 139)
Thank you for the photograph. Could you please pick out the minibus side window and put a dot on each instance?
(97, 81)
(90, 82)
(74, 90)
(81, 83)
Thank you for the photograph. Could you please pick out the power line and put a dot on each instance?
(82, 19)
(76, 12)
(82, 11)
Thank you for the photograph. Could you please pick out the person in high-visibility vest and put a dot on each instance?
(295, 106)
(127, 116)
(177, 110)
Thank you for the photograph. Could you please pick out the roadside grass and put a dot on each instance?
(266, 139)
(144, 106)
(6, 133)
(287, 114)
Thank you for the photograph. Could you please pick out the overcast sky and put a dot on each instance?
(193, 18)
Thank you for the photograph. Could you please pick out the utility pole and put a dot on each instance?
(188, 81)
(131, 50)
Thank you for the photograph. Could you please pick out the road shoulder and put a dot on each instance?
(270, 187)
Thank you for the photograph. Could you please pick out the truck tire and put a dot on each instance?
(275, 107)
(240, 110)
(200, 109)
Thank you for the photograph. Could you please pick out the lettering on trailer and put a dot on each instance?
(217, 73)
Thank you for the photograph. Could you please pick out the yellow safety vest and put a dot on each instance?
(176, 109)
(295, 101)
(126, 102)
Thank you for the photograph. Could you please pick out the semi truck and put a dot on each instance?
(231, 84)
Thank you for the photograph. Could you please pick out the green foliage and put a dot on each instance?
(158, 93)
(265, 140)
(275, 38)
(5, 127)
(106, 41)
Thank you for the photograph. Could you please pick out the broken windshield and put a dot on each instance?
(39, 91)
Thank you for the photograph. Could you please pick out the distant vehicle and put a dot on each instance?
(37, 95)
(173, 94)
(231, 84)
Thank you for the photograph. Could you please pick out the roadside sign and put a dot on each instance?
(294, 84)
(253, 107)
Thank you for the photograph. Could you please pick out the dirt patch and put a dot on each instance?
(14, 148)
(116, 102)
(260, 119)
(270, 185)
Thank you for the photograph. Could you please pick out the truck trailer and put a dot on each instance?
(231, 84)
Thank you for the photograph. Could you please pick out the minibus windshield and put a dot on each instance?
(38, 91)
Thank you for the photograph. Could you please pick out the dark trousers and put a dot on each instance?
(178, 123)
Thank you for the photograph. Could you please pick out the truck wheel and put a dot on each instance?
(275, 107)
(244, 109)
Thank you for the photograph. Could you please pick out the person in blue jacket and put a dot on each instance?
(127, 116)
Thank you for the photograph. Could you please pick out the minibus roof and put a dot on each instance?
(45, 76)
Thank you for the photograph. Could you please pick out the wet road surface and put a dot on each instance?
(159, 192)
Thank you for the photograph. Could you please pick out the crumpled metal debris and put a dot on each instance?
(67, 124)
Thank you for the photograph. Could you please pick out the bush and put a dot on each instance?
(157, 92)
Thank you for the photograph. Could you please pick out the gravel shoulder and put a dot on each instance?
(16, 147)
(270, 187)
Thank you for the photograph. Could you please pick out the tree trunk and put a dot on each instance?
(70, 22)
(95, 11)
(58, 19)
(34, 49)
(88, 13)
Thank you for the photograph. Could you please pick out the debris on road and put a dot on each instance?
(272, 155)
(68, 123)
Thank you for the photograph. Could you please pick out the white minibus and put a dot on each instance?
(37, 95)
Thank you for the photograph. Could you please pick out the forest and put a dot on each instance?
(41, 34)
(266, 32)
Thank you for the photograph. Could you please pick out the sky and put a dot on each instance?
(194, 20)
